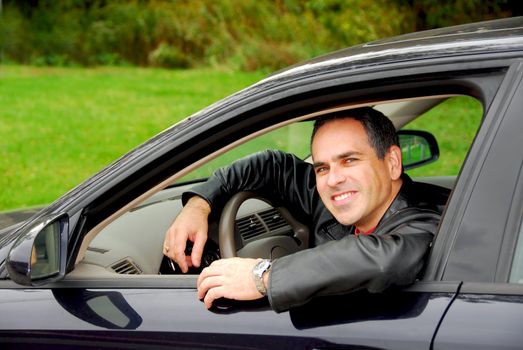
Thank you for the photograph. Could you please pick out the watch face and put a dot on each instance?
(259, 269)
(262, 266)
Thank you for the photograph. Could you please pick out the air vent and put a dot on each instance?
(273, 219)
(126, 267)
(250, 227)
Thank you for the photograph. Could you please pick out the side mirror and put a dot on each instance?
(39, 254)
(417, 148)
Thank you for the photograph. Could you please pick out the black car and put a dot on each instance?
(88, 270)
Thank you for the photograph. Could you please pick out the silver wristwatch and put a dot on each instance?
(257, 273)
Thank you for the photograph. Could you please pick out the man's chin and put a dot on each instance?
(345, 214)
(346, 221)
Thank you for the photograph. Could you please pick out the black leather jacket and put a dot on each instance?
(339, 261)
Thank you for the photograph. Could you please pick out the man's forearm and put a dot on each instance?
(370, 262)
(275, 175)
(198, 203)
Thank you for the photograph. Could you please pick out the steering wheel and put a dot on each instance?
(270, 246)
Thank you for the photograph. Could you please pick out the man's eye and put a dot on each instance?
(321, 170)
(349, 160)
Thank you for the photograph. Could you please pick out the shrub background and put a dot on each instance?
(240, 35)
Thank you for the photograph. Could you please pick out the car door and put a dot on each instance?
(130, 311)
(485, 253)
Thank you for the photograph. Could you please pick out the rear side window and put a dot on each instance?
(454, 123)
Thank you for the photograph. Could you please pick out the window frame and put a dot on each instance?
(474, 229)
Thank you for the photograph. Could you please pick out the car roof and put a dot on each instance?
(481, 37)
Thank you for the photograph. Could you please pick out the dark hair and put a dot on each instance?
(380, 130)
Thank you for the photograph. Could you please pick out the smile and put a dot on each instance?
(343, 196)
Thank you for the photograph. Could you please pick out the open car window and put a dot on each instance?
(132, 243)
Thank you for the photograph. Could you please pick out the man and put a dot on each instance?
(371, 225)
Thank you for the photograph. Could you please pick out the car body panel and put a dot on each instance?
(168, 316)
(483, 321)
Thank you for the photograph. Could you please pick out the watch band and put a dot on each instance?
(257, 273)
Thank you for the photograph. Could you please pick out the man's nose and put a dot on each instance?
(335, 177)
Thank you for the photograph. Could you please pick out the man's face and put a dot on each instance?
(355, 186)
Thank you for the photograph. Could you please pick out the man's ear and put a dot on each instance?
(394, 162)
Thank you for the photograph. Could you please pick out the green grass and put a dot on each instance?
(454, 123)
(59, 126)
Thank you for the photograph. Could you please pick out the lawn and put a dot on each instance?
(59, 126)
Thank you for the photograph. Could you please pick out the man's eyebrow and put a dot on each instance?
(337, 157)
(347, 154)
(317, 164)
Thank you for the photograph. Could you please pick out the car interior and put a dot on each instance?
(129, 243)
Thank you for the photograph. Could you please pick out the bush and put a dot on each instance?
(14, 43)
(168, 56)
(248, 35)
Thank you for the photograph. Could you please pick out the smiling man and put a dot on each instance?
(371, 226)
(356, 182)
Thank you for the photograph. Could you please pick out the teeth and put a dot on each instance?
(343, 196)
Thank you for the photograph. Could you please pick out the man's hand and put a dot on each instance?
(228, 278)
(191, 224)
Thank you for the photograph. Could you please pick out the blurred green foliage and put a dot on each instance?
(246, 35)
(443, 13)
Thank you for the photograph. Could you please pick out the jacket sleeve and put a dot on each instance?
(275, 175)
(393, 255)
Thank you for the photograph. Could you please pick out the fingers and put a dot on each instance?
(207, 284)
(212, 295)
(197, 249)
(228, 278)
(178, 251)
(213, 270)
(210, 285)
(174, 247)
(190, 225)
